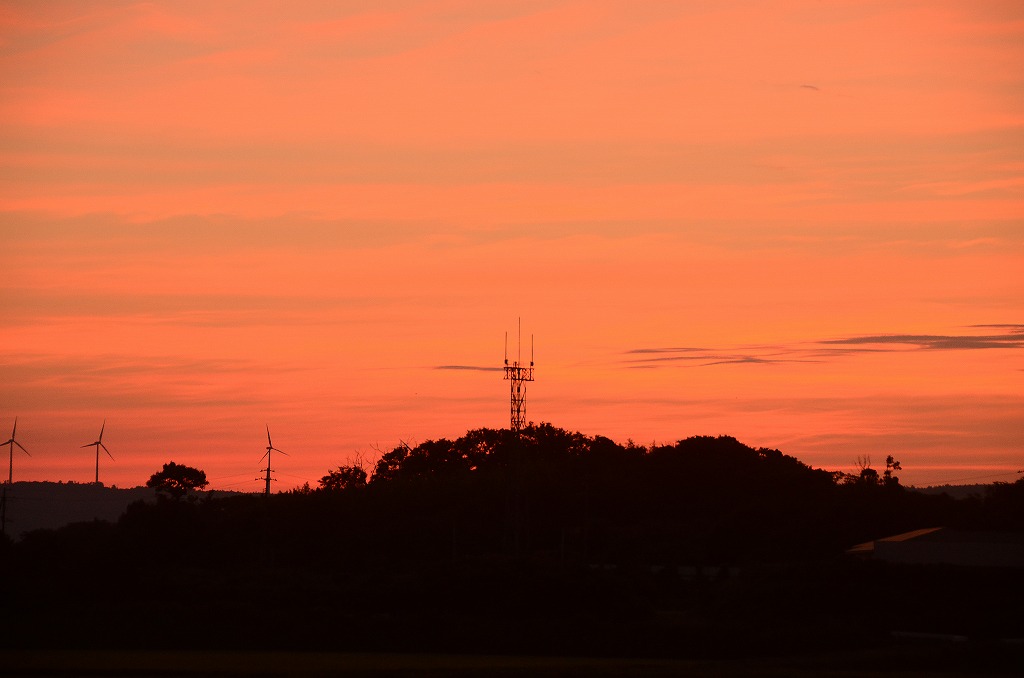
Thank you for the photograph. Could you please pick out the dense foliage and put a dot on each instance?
(343, 478)
(177, 480)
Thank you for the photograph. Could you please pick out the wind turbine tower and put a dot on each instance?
(270, 447)
(518, 375)
(10, 444)
(98, 444)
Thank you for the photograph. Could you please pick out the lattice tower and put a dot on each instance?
(518, 374)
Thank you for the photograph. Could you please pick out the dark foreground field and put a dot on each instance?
(918, 659)
(841, 619)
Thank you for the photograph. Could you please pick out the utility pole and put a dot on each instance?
(270, 448)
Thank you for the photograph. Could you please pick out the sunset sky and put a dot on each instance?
(798, 223)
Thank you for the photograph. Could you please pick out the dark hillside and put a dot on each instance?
(549, 542)
(47, 505)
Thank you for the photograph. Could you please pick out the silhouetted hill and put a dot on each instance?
(546, 542)
(49, 505)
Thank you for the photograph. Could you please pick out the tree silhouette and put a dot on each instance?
(177, 480)
(891, 464)
(870, 477)
(343, 478)
(390, 464)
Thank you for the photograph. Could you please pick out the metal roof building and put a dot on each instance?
(940, 545)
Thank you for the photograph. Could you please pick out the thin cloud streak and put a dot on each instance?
(937, 342)
(707, 360)
(814, 351)
(471, 368)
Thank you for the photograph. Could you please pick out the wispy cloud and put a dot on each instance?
(701, 357)
(933, 342)
(1015, 328)
(132, 382)
(666, 350)
(820, 350)
(34, 307)
(755, 360)
(471, 368)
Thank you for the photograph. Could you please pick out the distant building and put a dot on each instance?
(940, 545)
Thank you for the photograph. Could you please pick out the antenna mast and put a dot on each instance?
(518, 375)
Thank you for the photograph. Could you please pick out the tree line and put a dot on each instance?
(544, 540)
(545, 489)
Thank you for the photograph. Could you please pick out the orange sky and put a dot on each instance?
(797, 223)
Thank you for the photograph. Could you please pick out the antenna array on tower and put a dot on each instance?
(518, 375)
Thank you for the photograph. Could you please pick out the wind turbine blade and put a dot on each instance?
(270, 445)
(105, 449)
(101, 430)
(89, 445)
(265, 455)
(14, 431)
(19, 445)
(284, 453)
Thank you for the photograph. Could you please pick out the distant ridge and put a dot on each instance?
(49, 505)
(954, 491)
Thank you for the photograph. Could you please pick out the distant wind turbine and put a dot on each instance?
(270, 447)
(10, 444)
(98, 444)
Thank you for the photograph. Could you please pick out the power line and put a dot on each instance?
(234, 475)
(235, 484)
(281, 473)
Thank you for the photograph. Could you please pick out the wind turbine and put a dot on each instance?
(98, 444)
(10, 444)
(270, 446)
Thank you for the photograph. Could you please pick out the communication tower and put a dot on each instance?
(518, 375)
